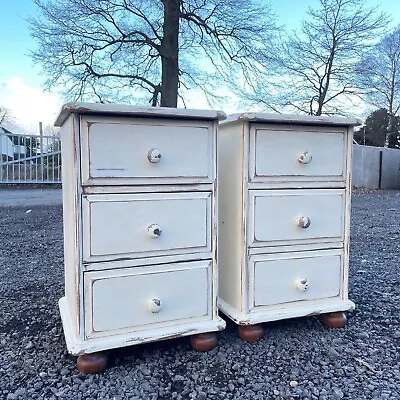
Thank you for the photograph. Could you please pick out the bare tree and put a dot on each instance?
(5, 116)
(121, 49)
(379, 77)
(314, 72)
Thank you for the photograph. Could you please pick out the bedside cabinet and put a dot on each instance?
(284, 207)
(140, 227)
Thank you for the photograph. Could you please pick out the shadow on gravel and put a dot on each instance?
(297, 359)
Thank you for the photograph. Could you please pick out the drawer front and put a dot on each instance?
(123, 300)
(120, 151)
(300, 153)
(302, 216)
(142, 225)
(295, 277)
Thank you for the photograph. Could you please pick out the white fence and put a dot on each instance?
(29, 158)
(37, 159)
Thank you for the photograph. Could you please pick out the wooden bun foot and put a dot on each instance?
(92, 363)
(334, 320)
(203, 341)
(251, 333)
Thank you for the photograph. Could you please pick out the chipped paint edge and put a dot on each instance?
(130, 110)
(257, 317)
(77, 347)
(290, 118)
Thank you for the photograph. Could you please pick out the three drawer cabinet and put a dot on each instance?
(284, 205)
(140, 227)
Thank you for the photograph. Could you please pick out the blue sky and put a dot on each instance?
(20, 80)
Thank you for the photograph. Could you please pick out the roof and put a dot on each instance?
(128, 110)
(6, 131)
(15, 138)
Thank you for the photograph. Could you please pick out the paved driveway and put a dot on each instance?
(29, 197)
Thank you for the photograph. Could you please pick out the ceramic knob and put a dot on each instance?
(305, 157)
(303, 222)
(302, 285)
(154, 155)
(154, 231)
(155, 305)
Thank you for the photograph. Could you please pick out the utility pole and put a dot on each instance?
(41, 148)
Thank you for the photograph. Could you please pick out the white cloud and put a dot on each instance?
(28, 104)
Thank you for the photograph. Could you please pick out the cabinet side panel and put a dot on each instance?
(349, 143)
(214, 221)
(231, 239)
(70, 182)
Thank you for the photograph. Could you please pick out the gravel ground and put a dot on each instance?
(297, 359)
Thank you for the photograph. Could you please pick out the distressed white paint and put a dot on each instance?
(71, 212)
(128, 218)
(119, 300)
(124, 110)
(273, 216)
(192, 187)
(78, 345)
(321, 270)
(300, 120)
(115, 270)
(121, 151)
(297, 153)
(285, 310)
(275, 171)
(231, 236)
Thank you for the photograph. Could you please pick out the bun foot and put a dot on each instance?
(203, 341)
(92, 363)
(333, 320)
(251, 333)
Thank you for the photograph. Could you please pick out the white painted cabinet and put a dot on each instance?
(284, 191)
(140, 224)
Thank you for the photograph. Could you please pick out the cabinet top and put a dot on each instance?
(290, 119)
(125, 110)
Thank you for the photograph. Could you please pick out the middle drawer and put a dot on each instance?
(279, 217)
(117, 226)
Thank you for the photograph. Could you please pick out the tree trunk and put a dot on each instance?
(169, 54)
(328, 71)
(390, 126)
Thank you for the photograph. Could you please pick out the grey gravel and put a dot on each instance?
(360, 361)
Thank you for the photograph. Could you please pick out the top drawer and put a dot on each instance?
(136, 151)
(301, 153)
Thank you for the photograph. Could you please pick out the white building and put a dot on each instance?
(11, 145)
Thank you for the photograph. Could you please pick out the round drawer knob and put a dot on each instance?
(305, 157)
(303, 222)
(154, 231)
(302, 285)
(155, 305)
(154, 155)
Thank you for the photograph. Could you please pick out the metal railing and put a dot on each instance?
(29, 158)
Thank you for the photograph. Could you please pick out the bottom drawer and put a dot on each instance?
(132, 298)
(291, 277)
